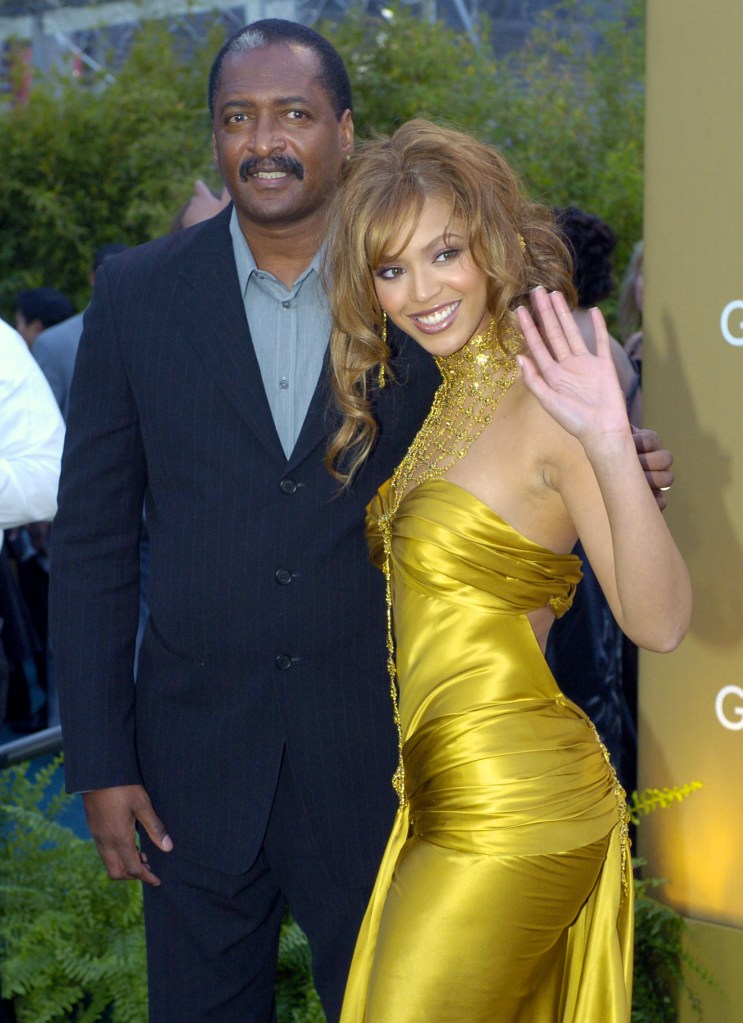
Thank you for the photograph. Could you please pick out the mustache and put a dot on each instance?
(276, 163)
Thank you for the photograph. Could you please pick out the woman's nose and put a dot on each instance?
(423, 285)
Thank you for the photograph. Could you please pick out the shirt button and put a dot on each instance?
(283, 662)
(284, 384)
(286, 304)
(283, 576)
(288, 486)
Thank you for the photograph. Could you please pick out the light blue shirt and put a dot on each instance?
(290, 328)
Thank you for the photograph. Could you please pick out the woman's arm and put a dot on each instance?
(600, 478)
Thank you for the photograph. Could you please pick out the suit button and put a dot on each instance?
(288, 486)
(283, 661)
(283, 576)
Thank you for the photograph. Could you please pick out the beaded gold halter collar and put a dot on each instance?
(475, 378)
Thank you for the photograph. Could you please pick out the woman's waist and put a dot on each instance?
(524, 779)
(509, 765)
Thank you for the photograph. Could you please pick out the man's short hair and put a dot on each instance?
(47, 305)
(332, 76)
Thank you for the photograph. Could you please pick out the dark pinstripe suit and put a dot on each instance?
(266, 630)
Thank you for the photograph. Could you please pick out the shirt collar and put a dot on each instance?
(245, 260)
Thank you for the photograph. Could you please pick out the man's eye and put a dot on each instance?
(237, 118)
(388, 273)
(297, 115)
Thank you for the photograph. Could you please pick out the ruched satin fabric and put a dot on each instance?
(500, 896)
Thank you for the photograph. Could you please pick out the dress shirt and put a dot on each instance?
(290, 328)
(31, 436)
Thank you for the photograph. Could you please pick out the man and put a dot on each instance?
(55, 348)
(257, 749)
(39, 308)
(31, 436)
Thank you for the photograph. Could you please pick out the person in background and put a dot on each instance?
(629, 310)
(55, 348)
(39, 308)
(31, 438)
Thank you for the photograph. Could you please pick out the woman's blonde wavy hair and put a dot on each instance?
(383, 192)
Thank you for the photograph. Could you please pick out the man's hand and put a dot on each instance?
(656, 462)
(112, 814)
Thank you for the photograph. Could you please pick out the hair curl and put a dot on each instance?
(387, 184)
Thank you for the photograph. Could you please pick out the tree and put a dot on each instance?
(83, 165)
(567, 109)
(114, 160)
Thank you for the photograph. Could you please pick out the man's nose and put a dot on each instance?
(266, 138)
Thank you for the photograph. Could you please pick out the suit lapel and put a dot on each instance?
(211, 312)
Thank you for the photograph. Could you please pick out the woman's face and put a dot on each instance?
(433, 290)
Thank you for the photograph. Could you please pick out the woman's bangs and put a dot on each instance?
(392, 222)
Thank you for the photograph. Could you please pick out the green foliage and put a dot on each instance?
(643, 803)
(108, 161)
(402, 67)
(71, 941)
(114, 160)
(661, 964)
(570, 112)
(567, 109)
(296, 998)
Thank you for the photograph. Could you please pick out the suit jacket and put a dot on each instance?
(55, 350)
(266, 628)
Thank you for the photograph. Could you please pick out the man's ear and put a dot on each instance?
(347, 132)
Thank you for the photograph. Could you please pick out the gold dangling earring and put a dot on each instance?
(381, 375)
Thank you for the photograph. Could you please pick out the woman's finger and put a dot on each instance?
(556, 323)
(539, 352)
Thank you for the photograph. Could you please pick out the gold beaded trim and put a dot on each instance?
(475, 378)
(624, 817)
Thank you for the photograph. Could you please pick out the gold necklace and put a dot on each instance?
(475, 378)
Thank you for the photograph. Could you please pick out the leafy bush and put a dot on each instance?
(71, 941)
(114, 160)
(84, 165)
(567, 109)
(661, 964)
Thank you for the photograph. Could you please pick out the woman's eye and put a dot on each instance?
(389, 273)
(447, 255)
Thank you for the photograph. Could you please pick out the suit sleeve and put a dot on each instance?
(50, 367)
(94, 584)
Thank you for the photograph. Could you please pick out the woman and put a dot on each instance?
(505, 891)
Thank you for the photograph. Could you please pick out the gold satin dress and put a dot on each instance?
(505, 893)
